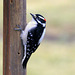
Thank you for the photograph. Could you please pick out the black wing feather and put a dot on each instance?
(32, 43)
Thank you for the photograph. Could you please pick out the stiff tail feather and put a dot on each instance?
(24, 61)
(24, 64)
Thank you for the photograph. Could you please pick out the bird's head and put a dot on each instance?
(39, 19)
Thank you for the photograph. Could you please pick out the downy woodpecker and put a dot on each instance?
(32, 36)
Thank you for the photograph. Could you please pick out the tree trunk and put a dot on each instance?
(14, 13)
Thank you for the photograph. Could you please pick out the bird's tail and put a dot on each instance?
(24, 62)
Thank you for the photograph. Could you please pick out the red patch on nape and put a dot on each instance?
(44, 19)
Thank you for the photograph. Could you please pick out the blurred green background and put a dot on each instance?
(56, 54)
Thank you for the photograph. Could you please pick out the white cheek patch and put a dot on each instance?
(39, 21)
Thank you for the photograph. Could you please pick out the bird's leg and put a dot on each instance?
(18, 28)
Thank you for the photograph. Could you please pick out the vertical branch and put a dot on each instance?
(14, 13)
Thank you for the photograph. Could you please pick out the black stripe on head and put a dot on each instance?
(40, 18)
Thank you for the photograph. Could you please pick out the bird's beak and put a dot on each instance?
(33, 15)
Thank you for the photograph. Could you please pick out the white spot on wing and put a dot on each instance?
(28, 45)
(35, 44)
(31, 35)
(28, 49)
(27, 41)
(28, 37)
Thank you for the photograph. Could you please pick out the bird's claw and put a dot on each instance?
(18, 28)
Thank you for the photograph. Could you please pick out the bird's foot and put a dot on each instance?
(18, 28)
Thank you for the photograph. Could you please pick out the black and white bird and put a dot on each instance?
(32, 36)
